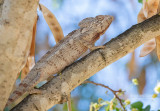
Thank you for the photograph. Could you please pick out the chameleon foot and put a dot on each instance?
(96, 47)
(91, 46)
(35, 91)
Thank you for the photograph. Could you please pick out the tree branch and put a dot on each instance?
(16, 26)
(57, 90)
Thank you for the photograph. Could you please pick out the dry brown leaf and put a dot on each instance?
(158, 46)
(31, 57)
(32, 49)
(141, 16)
(158, 10)
(29, 65)
(153, 7)
(142, 81)
(143, 13)
(52, 23)
(149, 8)
(145, 8)
(132, 66)
(148, 47)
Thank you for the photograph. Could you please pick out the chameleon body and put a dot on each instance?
(64, 53)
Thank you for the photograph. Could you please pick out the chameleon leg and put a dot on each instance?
(34, 82)
(96, 47)
(50, 77)
(91, 46)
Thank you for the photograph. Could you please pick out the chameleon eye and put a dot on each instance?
(100, 17)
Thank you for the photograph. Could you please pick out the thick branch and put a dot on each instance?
(16, 25)
(58, 88)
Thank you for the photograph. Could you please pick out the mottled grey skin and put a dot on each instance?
(64, 53)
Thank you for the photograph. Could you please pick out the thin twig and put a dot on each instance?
(114, 92)
(40, 8)
(69, 103)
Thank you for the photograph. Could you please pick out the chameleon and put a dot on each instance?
(64, 53)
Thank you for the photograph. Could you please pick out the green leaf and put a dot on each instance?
(147, 108)
(107, 108)
(117, 109)
(137, 105)
(65, 107)
(140, 1)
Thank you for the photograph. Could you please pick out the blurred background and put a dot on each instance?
(117, 75)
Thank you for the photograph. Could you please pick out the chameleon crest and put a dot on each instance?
(100, 20)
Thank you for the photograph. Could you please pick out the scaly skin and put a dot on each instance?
(64, 53)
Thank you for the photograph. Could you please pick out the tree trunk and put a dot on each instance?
(16, 25)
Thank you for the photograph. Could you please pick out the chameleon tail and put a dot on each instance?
(20, 90)
(23, 87)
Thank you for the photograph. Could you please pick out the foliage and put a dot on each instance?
(109, 105)
(113, 105)
(65, 107)
(140, 1)
(139, 107)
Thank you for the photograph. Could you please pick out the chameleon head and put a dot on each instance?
(103, 22)
(100, 22)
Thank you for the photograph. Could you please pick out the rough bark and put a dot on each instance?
(16, 25)
(56, 91)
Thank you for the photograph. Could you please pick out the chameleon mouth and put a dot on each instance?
(104, 30)
(111, 18)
